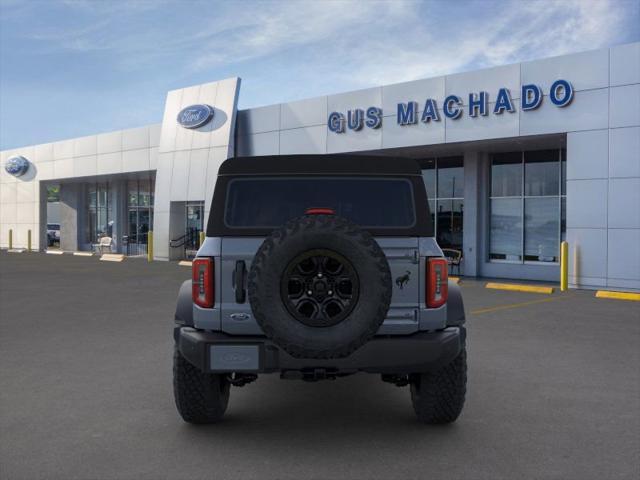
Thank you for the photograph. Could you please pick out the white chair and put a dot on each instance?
(104, 242)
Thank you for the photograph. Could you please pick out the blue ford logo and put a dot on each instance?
(17, 166)
(195, 116)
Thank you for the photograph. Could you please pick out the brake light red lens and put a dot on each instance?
(203, 286)
(319, 211)
(437, 282)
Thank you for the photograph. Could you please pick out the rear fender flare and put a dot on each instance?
(455, 306)
(184, 307)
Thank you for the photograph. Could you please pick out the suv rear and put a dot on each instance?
(318, 267)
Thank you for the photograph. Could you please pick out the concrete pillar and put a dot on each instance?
(483, 202)
(70, 209)
(177, 220)
(472, 252)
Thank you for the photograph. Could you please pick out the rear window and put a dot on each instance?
(270, 202)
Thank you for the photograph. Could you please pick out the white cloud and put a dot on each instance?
(533, 30)
(372, 43)
(291, 25)
(384, 41)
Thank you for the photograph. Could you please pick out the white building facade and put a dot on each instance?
(515, 159)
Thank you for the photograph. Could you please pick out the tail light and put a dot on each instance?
(202, 289)
(437, 282)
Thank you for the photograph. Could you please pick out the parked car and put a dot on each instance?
(53, 234)
(318, 267)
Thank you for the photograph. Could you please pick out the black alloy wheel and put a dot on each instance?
(320, 288)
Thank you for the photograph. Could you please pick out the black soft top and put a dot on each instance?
(340, 164)
(290, 165)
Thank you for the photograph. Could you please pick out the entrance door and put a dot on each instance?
(139, 216)
(194, 225)
(53, 216)
(139, 226)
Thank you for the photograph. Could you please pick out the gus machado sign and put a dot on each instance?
(560, 94)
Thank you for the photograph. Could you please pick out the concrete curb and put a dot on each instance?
(515, 287)
(112, 257)
(634, 297)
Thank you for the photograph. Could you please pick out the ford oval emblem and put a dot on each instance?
(17, 166)
(195, 116)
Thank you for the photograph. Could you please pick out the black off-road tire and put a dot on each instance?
(201, 398)
(438, 397)
(328, 233)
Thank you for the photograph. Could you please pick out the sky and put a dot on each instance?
(70, 68)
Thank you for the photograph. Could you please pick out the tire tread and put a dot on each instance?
(201, 398)
(438, 397)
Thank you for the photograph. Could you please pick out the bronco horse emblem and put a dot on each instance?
(402, 280)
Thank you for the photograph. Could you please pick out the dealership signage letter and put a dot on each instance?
(407, 113)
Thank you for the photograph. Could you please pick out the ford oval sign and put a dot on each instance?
(195, 116)
(17, 166)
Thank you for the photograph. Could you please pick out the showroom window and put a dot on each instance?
(100, 212)
(444, 179)
(527, 206)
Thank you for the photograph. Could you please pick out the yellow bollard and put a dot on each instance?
(564, 266)
(10, 239)
(29, 240)
(201, 239)
(150, 246)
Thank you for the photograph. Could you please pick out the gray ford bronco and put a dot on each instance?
(318, 267)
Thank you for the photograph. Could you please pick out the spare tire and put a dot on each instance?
(320, 286)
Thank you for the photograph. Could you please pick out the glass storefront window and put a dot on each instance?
(432, 210)
(541, 227)
(563, 172)
(133, 226)
(53, 193)
(145, 197)
(92, 196)
(563, 218)
(100, 212)
(132, 193)
(449, 224)
(527, 206)
(506, 175)
(506, 229)
(541, 173)
(450, 177)
(144, 225)
(194, 224)
(444, 180)
(429, 177)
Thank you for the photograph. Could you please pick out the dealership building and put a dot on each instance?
(515, 159)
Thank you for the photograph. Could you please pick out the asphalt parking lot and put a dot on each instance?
(85, 391)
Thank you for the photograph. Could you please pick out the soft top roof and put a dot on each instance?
(320, 164)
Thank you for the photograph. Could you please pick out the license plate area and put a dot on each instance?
(234, 358)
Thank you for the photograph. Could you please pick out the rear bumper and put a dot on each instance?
(420, 352)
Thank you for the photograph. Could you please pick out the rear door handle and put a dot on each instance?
(239, 277)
